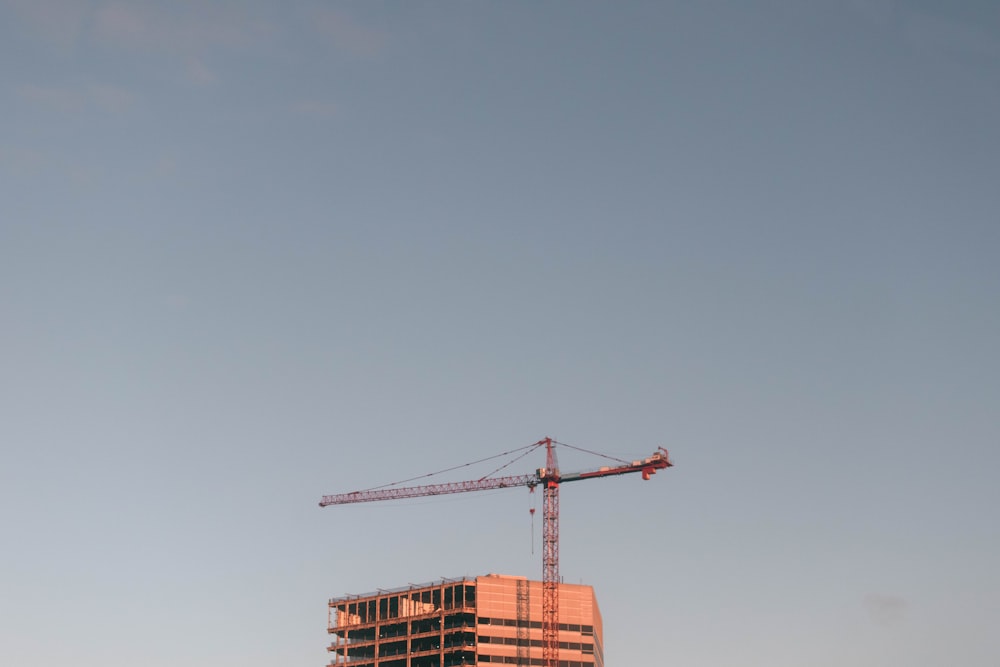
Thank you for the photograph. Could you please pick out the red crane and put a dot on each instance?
(549, 478)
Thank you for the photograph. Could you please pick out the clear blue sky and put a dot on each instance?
(252, 253)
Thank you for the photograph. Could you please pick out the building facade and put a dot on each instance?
(470, 621)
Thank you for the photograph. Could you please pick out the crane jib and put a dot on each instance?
(429, 490)
(648, 466)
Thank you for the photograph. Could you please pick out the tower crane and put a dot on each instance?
(549, 478)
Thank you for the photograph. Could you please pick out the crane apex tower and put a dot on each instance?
(486, 620)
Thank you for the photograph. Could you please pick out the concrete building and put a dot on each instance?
(469, 621)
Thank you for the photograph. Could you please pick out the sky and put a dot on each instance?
(252, 253)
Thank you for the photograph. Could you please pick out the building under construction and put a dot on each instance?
(468, 621)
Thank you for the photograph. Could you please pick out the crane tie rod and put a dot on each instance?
(527, 449)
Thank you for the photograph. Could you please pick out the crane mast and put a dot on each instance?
(549, 478)
(550, 559)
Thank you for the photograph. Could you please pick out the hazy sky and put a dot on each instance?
(255, 252)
